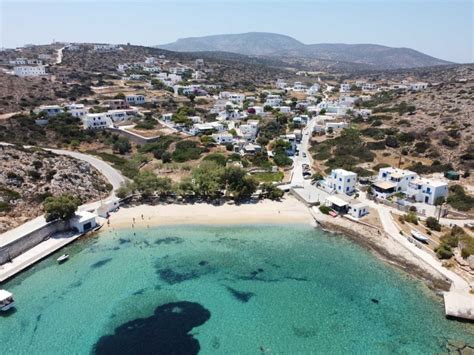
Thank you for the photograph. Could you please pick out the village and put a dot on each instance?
(281, 135)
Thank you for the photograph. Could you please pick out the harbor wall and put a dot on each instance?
(30, 240)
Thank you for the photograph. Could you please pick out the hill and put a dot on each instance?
(276, 45)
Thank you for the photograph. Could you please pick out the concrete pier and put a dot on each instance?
(36, 254)
(459, 305)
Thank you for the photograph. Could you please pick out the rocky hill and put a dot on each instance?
(27, 177)
(276, 45)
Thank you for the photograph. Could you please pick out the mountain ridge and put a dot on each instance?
(277, 45)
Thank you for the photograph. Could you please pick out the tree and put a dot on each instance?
(166, 157)
(392, 142)
(61, 207)
(125, 190)
(239, 183)
(148, 184)
(122, 145)
(433, 224)
(272, 192)
(208, 179)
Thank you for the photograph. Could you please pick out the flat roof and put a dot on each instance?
(384, 185)
(337, 201)
(4, 295)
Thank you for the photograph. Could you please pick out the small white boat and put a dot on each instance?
(6, 300)
(418, 236)
(63, 258)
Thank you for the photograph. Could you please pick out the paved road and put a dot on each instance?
(298, 161)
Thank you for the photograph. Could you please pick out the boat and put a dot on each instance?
(63, 258)
(6, 300)
(98, 227)
(418, 236)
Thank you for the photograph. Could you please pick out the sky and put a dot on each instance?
(441, 28)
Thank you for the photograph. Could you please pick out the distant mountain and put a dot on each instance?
(276, 45)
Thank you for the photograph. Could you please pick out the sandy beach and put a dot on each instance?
(289, 210)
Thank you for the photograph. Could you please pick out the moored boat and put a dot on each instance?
(6, 300)
(63, 258)
(418, 236)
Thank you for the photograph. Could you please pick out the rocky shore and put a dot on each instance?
(384, 248)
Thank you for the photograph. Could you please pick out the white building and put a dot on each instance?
(135, 99)
(97, 121)
(249, 131)
(335, 126)
(345, 87)
(392, 180)
(369, 87)
(233, 97)
(19, 61)
(281, 84)
(358, 209)
(273, 100)
(150, 60)
(299, 87)
(29, 70)
(417, 86)
(83, 221)
(285, 109)
(341, 181)
(105, 47)
(50, 110)
(77, 110)
(223, 138)
(426, 190)
(314, 89)
(399, 177)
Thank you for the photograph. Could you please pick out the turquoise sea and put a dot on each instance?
(223, 290)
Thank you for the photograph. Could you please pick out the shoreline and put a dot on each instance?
(287, 211)
(389, 252)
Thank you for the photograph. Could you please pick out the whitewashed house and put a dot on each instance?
(97, 121)
(392, 180)
(358, 209)
(50, 110)
(24, 71)
(223, 138)
(273, 100)
(281, 84)
(150, 61)
(345, 87)
(426, 190)
(417, 86)
(19, 61)
(249, 131)
(285, 109)
(341, 181)
(314, 89)
(77, 110)
(135, 99)
(299, 87)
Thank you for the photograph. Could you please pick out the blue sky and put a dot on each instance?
(441, 28)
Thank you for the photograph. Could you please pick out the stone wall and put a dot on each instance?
(134, 137)
(30, 240)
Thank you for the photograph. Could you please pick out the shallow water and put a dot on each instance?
(241, 289)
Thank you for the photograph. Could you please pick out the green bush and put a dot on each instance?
(186, 150)
(324, 209)
(433, 224)
(219, 159)
(459, 199)
(444, 252)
